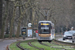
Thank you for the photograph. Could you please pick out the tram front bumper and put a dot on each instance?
(44, 38)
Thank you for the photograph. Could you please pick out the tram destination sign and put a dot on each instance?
(44, 23)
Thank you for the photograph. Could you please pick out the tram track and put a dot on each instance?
(58, 43)
(52, 46)
(54, 42)
(29, 43)
(18, 45)
(44, 44)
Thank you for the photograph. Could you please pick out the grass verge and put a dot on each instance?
(13, 46)
(24, 44)
(43, 46)
(60, 46)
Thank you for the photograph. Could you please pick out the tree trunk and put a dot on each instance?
(18, 30)
(2, 33)
(33, 16)
(0, 16)
(12, 22)
(19, 23)
(4, 20)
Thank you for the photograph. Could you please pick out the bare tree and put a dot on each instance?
(0, 17)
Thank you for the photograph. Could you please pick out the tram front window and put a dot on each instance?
(45, 30)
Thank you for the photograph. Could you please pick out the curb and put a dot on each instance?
(1, 40)
(8, 47)
(65, 42)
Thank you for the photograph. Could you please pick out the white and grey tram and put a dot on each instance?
(46, 31)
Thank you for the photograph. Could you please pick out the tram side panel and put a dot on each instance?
(52, 34)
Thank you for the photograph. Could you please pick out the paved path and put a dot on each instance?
(60, 38)
(4, 43)
(67, 40)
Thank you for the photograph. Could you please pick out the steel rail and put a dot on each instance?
(29, 43)
(18, 45)
(52, 46)
(56, 42)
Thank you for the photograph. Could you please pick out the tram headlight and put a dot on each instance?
(39, 34)
(50, 34)
(54, 34)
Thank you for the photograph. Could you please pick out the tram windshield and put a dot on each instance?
(44, 28)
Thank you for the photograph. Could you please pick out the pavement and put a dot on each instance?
(67, 40)
(60, 38)
(1, 39)
(5, 42)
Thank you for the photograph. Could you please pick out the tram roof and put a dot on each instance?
(45, 21)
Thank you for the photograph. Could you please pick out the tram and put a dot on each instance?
(46, 31)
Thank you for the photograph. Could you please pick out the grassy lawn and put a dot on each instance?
(24, 44)
(13, 46)
(42, 46)
(59, 46)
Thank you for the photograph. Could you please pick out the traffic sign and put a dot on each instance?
(36, 31)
